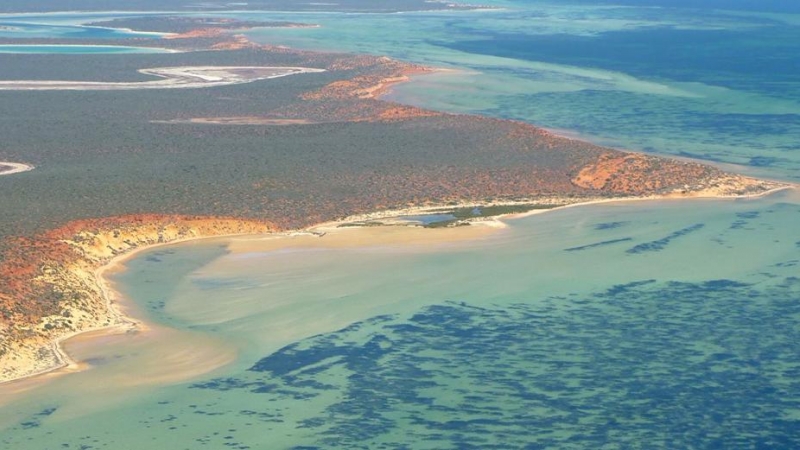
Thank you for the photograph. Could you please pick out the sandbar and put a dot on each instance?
(9, 168)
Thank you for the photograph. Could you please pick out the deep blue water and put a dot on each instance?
(780, 6)
(737, 59)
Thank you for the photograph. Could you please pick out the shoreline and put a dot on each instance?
(112, 300)
(115, 302)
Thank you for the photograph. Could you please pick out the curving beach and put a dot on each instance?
(380, 228)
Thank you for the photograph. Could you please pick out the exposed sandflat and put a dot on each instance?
(172, 78)
(8, 168)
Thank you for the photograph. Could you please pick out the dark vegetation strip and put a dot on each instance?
(597, 244)
(660, 244)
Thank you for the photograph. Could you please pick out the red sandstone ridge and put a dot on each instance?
(368, 86)
(50, 289)
(237, 42)
(198, 33)
(637, 174)
(357, 97)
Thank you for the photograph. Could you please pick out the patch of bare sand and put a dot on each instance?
(171, 78)
(332, 235)
(8, 168)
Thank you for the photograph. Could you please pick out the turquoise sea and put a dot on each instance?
(658, 324)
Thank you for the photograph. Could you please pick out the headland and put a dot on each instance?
(305, 150)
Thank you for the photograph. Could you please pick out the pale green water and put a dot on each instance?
(636, 325)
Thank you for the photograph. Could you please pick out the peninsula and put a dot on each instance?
(132, 164)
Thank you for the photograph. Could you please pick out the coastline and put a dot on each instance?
(180, 77)
(115, 302)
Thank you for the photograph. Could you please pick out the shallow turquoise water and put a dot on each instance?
(672, 324)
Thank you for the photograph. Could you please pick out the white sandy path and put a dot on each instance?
(14, 167)
(173, 78)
